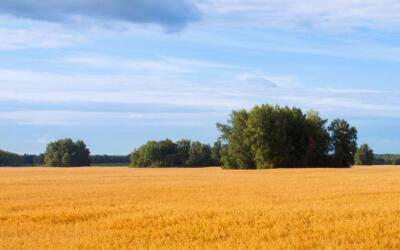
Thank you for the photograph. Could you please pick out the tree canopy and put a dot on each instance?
(109, 160)
(273, 136)
(343, 142)
(67, 153)
(387, 159)
(10, 159)
(15, 160)
(365, 155)
(167, 153)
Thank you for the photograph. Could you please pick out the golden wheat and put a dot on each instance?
(121, 208)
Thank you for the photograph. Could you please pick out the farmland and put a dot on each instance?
(122, 208)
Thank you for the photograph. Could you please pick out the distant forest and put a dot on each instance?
(16, 160)
(387, 159)
(263, 137)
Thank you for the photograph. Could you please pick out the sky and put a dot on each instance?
(116, 73)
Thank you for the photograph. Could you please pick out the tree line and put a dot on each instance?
(62, 153)
(110, 160)
(165, 153)
(366, 156)
(12, 159)
(264, 137)
(387, 159)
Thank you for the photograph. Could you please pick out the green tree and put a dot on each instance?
(387, 159)
(10, 159)
(199, 155)
(273, 136)
(114, 160)
(67, 153)
(156, 154)
(365, 155)
(145, 155)
(238, 153)
(277, 136)
(183, 147)
(343, 143)
(167, 154)
(216, 153)
(318, 140)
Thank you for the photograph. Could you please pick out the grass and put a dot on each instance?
(121, 208)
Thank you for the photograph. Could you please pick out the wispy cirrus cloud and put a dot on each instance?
(310, 14)
(42, 38)
(240, 90)
(157, 65)
(67, 117)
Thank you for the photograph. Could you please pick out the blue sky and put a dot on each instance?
(118, 73)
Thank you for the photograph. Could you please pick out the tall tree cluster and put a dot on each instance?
(273, 136)
(67, 153)
(167, 153)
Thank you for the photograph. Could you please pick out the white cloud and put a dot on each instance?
(239, 90)
(44, 139)
(159, 65)
(65, 117)
(24, 34)
(126, 64)
(335, 14)
(26, 38)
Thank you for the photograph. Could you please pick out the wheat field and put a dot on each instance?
(209, 208)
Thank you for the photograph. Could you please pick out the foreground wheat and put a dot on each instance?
(121, 208)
